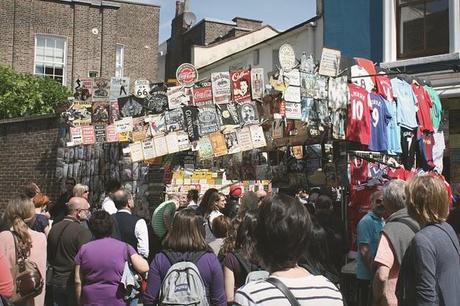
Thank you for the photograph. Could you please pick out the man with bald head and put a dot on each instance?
(64, 241)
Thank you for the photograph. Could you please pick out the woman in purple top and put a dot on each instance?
(100, 264)
(184, 239)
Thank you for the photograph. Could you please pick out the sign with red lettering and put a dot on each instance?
(202, 94)
(241, 85)
(187, 75)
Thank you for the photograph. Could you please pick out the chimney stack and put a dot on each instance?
(179, 7)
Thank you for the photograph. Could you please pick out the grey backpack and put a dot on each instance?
(254, 273)
(183, 284)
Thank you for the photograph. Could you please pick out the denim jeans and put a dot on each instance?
(134, 302)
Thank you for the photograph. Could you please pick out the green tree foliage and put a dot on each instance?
(26, 95)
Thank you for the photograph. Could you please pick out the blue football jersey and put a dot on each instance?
(379, 121)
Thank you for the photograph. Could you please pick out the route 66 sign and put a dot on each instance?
(141, 88)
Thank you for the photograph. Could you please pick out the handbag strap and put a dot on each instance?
(285, 290)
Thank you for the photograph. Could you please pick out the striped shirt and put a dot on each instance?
(313, 290)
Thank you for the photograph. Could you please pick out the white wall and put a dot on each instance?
(202, 55)
(308, 38)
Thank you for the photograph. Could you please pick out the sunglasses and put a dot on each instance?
(86, 191)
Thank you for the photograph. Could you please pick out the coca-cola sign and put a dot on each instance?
(186, 75)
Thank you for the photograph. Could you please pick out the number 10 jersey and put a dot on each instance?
(358, 125)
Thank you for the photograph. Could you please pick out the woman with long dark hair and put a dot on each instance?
(185, 242)
(238, 252)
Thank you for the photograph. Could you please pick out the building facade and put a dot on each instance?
(189, 41)
(70, 39)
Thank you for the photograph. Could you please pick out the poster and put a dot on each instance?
(257, 136)
(202, 94)
(87, 134)
(101, 112)
(228, 114)
(101, 89)
(277, 129)
(172, 143)
(76, 136)
(241, 85)
(156, 124)
(248, 112)
(191, 122)
(330, 62)
(114, 110)
(293, 110)
(176, 97)
(157, 100)
(218, 144)
(292, 77)
(148, 148)
(119, 87)
(124, 128)
(286, 57)
(140, 129)
(244, 139)
(131, 106)
(111, 134)
(161, 147)
(183, 141)
(221, 91)
(82, 112)
(208, 120)
(204, 148)
(257, 83)
(338, 93)
(83, 89)
(231, 142)
(99, 131)
(292, 94)
(136, 152)
(174, 120)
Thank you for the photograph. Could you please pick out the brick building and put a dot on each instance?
(67, 39)
(207, 32)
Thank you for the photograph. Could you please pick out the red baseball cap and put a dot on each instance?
(236, 190)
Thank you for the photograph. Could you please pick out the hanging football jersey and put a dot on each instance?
(360, 77)
(436, 109)
(359, 170)
(408, 145)
(424, 108)
(379, 121)
(358, 115)
(338, 93)
(393, 130)
(406, 103)
(368, 65)
(384, 87)
(438, 150)
(426, 143)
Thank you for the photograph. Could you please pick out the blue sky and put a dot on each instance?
(281, 14)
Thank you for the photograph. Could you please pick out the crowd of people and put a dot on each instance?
(251, 248)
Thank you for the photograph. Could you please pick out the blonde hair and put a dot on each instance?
(427, 200)
(79, 190)
(19, 211)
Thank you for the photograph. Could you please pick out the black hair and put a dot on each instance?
(323, 202)
(120, 200)
(317, 256)
(207, 201)
(101, 224)
(282, 231)
(74, 181)
(192, 195)
(112, 185)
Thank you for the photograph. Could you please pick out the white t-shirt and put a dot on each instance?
(313, 290)
(214, 214)
(109, 206)
(438, 150)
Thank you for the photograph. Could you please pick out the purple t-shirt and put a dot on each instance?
(210, 270)
(102, 262)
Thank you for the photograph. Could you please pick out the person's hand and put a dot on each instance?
(47, 215)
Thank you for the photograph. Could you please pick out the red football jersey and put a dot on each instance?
(384, 87)
(424, 108)
(358, 171)
(359, 115)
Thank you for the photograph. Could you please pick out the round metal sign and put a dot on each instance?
(187, 75)
(286, 57)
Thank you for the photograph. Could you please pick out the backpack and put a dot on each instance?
(183, 284)
(253, 272)
(28, 280)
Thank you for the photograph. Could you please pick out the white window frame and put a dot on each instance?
(122, 55)
(64, 70)
(390, 35)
